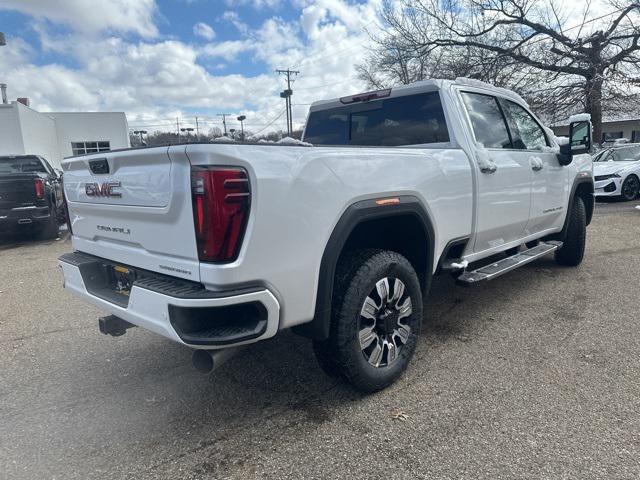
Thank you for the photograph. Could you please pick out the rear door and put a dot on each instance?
(134, 207)
(504, 191)
(549, 185)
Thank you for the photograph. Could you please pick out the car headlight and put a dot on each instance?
(606, 177)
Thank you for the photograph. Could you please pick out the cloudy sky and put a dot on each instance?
(158, 59)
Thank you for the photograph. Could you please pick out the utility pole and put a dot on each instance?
(287, 96)
(241, 119)
(224, 121)
(178, 128)
(3, 86)
(197, 131)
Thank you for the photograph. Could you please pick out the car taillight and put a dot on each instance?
(221, 200)
(39, 184)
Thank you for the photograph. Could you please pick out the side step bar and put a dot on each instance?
(493, 270)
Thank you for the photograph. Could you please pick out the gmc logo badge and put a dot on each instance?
(105, 189)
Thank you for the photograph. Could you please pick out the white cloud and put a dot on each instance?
(203, 30)
(136, 16)
(258, 4)
(155, 80)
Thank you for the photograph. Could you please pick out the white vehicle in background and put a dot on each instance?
(220, 245)
(617, 172)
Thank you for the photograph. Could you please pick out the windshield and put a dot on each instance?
(626, 154)
(21, 165)
(407, 120)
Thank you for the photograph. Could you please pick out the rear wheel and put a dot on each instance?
(630, 188)
(375, 321)
(51, 228)
(572, 250)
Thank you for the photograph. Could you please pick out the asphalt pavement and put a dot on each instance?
(533, 375)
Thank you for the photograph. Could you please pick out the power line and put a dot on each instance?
(274, 120)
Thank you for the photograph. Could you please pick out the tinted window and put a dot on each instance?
(487, 120)
(526, 134)
(408, 120)
(21, 165)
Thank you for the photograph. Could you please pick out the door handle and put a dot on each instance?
(536, 163)
(490, 168)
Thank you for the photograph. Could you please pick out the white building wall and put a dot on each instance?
(10, 133)
(39, 135)
(90, 127)
(24, 131)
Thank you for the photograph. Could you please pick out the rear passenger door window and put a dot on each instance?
(526, 134)
(487, 121)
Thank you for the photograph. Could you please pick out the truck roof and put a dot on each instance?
(422, 86)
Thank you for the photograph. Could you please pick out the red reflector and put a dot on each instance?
(221, 200)
(39, 185)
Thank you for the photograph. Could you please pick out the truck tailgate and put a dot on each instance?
(17, 190)
(134, 207)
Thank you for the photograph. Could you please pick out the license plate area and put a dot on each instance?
(110, 281)
(120, 279)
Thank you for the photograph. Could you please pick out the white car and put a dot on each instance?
(221, 245)
(617, 172)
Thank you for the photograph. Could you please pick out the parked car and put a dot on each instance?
(221, 245)
(617, 172)
(31, 195)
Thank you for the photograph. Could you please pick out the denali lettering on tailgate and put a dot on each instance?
(105, 228)
(105, 189)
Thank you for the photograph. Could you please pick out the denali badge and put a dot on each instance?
(106, 189)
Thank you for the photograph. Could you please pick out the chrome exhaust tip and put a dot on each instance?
(206, 361)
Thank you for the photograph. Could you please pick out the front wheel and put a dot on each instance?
(375, 321)
(572, 250)
(630, 188)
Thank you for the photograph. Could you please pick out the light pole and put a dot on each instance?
(241, 119)
(3, 86)
(188, 130)
(140, 132)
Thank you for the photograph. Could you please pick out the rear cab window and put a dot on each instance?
(21, 165)
(398, 121)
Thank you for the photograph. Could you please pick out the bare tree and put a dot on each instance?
(560, 62)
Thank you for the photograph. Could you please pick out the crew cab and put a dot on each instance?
(217, 246)
(31, 195)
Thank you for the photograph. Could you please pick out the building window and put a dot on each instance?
(80, 148)
(610, 136)
(635, 136)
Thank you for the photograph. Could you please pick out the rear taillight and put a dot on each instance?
(221, 200)
(39, 185)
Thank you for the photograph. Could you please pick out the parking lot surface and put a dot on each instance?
(533, 375)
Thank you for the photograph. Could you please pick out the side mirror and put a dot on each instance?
(579, 141)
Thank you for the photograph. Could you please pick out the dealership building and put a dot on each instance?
(56, 135)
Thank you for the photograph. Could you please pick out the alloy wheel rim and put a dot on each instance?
(383, 328)
(630, 188)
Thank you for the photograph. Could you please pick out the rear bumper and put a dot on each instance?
(24, 216)
(179, 310)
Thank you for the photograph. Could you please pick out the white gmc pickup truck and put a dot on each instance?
(220, 245)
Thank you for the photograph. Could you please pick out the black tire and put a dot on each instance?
(357, 278)
(51, 229)
(630, 188)
(572, 250)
